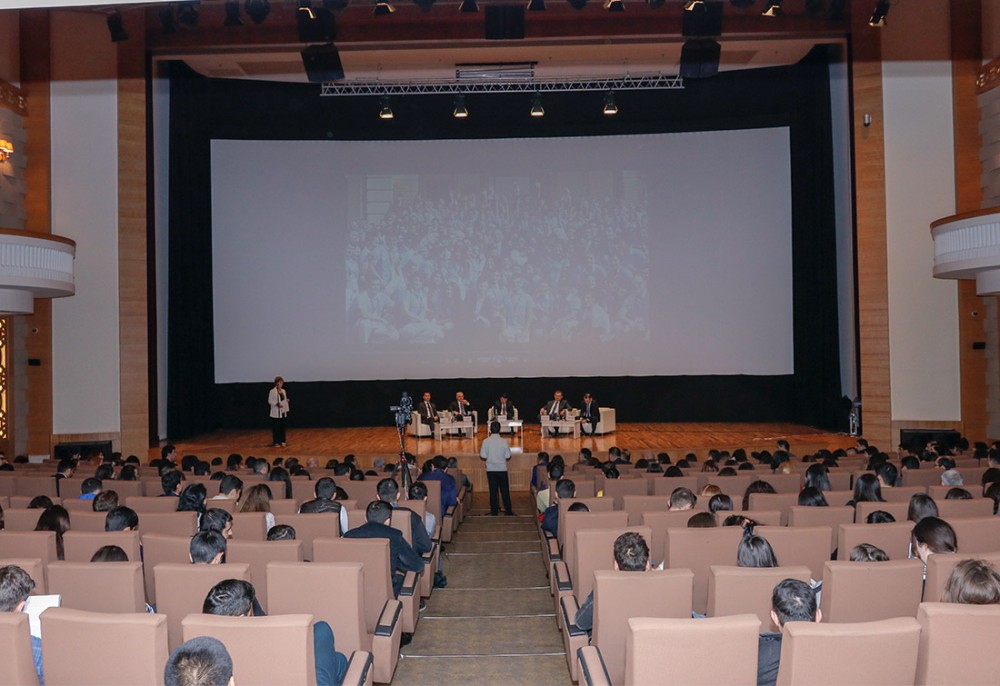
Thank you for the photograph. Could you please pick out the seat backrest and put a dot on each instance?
(257, 554)
(896, 509)
(402, 522)
(925, 476)
(303, 489)
(35, 569)
(373, 553)
(635, 505)
(366, 491)
(80, 546)
(75, 505)
(621, 595)
(172, 523)
(800, 545)
(39, 485)
(619, 488)
(659, 522)
(939, 568)
(253, 643)
(963, 509)
(151, 503)
(89, 647)
(594, 551)
(17, 665)
(98, 586)
(29, 544)
(881, 653)
(125, 489)
(733, 486)
(869, 591)
(893, 538)
(665, 485)
(181, 590)
(88, 521)
(951, 643)
(902, 494)
(311, 526)
(837, 497)
(686, 651)
(832, 517)
(250, 526)
(21, 519)
(784, 483)
(571, 522)
(698, 550)
(158, 548)
(977, 535)
(772, 501)
(285, 506)
(297, 587)
(771, 518)
(743, 590)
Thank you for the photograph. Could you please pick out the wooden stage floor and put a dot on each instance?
(638, 438)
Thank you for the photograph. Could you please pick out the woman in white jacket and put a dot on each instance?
(278, 400)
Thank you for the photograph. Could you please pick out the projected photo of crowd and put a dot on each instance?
(478, 262)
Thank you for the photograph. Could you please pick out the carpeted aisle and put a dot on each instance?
(494, 622)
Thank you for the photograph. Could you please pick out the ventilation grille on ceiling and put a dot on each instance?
(512, 71)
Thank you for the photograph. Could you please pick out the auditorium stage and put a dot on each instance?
(638, 438)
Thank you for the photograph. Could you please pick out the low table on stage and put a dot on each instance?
(451, 426)
(565, 426)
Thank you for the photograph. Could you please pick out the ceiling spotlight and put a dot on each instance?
(385, 111)
(116, 27)
(614, 5)
(187, 14)
(610, 106)
(536, 5)
(167, 20)
(468, 6)
(460, 111)
(878, 14)
(233, 17)
(257, 10)
(536, 106)
(692, 5)
(773, 8)
(305, 7)
(383, 8)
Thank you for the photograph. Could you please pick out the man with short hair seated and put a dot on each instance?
(387, 491)
(202, 661)
(682, 499)
(325, 490)
(121, 519)
(791, 601)
(171, 483)
(230, 488)
(15, 587)
(402, 557)
(565, 488)
(631, 555)
(236, 598)
(90, 488)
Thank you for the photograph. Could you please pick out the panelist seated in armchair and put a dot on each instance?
(503, 411)
(555, 410)
(590, 415)
(460, 409)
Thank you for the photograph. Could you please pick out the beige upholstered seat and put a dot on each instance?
(742, 590)
(617, 489)
(171, 523)
(963, 509)
(880, 653)
(896, 509)
(257, 554)
(698, 550)
(939, 568)
(181, 590)
(665, 485)
(35, 569)
(88, 647)
(869, 591)
(659, 522)
(635, 505)
(31, 486)
(902, 494)
(28, 544)
(80, 546)
(893, 538)
(157, 548)
(773, 501)
(17, 665)
(21, 519)
(771, 518)
(977, 534)
(144, 504)
(832, 517)
(88, 521)
(250, 526)
(98, 587)
(799, 545)
(952, 649)
(311, 526)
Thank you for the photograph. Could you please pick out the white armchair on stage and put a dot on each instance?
(505, 426)
(606, 424)
(417, 428)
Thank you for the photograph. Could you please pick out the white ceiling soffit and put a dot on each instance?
(408, 63)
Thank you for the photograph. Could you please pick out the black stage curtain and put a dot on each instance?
(797, 96)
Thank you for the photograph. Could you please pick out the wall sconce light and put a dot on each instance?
(6, 149)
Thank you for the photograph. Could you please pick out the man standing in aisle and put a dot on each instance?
(496, 452)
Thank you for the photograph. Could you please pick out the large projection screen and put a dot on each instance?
(639, 255)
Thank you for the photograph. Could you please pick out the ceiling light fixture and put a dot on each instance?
(385, 111)
(614, 5)
(536, 106)
(383, 8)
(878, 14)
(692, 5)
(773, 9)
(610, 106)
(460, 111)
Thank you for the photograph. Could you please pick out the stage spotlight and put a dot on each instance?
(878, 14)
(306, 10)
(233, 17)
(536, 106)
(257, 10)
(536, 5)
(187, 14)
(460, 111)
(614, 5)
(383, 8)
(773, 9)
(693, 5)
(385, 111)
(167, 20)
(468, 6)
(577, 4)
(610, 106)
(424, 5)
(116, 27)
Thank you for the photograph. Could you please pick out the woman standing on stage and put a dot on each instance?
(278, 400)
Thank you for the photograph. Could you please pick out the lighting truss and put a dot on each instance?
(627, 83)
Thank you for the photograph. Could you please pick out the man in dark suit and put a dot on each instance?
(460, 408)
(323, 503)
(590, 414)
(402, 557)
(428, 412)
(503, 408)
(555, 409)
(388, 492)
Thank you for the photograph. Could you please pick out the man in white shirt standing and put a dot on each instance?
(496, 452)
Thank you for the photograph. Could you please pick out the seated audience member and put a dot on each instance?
(258, 499)
(887, 475)
(449, 487)
(121, 519)
(710, 490)
(990, 476)
(109, 553)
(40, 502)
(791, 601)
(171, 483)
(720, 502)
(402, 557)
(755, 551)
(55, 518)
(702, 520)
(202, 661)
(236, 598)
(993, 493)
(921, 505)
(90, 488)
(818, 477)
(932, 535)
(543, 499)
(105, 501)
(909, 462)
(208, 548)
(739, 520)
(957, 493)
(325, 501)
(387, 491)
(418, 491)
(281, 532)
(192, 499)
(866, 490)
(565, 488)
(952, 477)
(63, 471)
(866, 552)
(682, 499)
(810, 496)
(15, 587)
(674, 471)
(879, 517)
(106, 472)
(230, 488)
(973, 582)
(217, 519)
(282, 481)
(755, 487)
(631, 555)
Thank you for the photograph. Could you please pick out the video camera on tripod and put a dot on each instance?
(403, 411)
